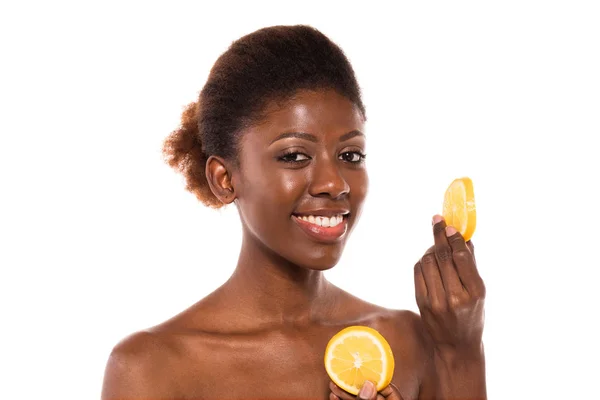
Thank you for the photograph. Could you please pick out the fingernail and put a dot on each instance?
(450, 231)
(367, 391)
(436, 219)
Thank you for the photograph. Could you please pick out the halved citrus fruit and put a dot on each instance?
(459, 207)
(357, 354)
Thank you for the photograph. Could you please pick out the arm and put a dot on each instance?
(460, 375)
(451, 373)
(451, 295)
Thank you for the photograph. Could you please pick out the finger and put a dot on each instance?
(436, 296)
(443, 255)
(472, 248)
(340, 393)
(368, 391)
(420, 286)
(333, 397)
(465, 264)
(391, 392)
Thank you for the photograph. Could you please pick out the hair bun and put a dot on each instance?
(184, 152)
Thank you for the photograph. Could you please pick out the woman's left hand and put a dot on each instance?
(450, 293)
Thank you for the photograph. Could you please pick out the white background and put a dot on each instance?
(99, 238)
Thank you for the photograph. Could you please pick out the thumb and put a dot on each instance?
(391, 392)
(368, 391)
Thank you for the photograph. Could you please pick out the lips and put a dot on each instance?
(323, 228)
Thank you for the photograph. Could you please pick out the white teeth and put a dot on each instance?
(327, 222)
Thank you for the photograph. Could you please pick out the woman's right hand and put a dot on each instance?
(367, 392)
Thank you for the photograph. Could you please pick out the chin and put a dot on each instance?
(320, 258)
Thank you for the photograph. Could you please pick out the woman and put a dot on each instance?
(278, 130)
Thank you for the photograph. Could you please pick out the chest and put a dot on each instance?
(282, 366)
(275, 367)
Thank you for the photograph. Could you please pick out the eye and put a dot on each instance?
(294, 157)
(353, 156)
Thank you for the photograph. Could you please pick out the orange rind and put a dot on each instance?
(357, 354)
(459, 207)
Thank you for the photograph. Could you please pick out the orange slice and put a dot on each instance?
(356, 354)
(459, 207)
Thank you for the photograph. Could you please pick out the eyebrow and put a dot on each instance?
(313, 138)
(350, 135)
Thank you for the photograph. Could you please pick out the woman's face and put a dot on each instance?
(302, 179)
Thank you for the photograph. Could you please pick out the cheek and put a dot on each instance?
(269, 197)
(278, 190)
(359, 186)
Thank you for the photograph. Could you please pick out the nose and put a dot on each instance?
(327, 180)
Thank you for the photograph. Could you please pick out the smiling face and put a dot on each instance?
(302, 179)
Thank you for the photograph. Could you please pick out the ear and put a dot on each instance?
(218, 174)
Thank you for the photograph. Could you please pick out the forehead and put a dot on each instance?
(325, 114)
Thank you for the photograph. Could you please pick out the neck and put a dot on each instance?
(275, 291)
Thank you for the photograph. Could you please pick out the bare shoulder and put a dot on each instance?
(410, 322)
(136, 367)
(404, 328)
(404, 322)
(156, 362)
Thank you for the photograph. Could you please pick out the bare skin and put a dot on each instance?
(263, 333)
